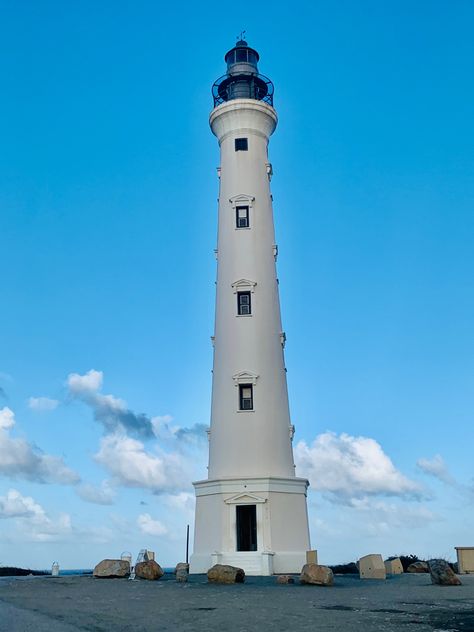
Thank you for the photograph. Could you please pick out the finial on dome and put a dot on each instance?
(241, 39)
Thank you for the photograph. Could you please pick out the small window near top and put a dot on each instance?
(245, 396)
(241, 144)
(244, 307)
(242, 217)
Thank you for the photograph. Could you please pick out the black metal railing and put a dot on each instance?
(242, 86)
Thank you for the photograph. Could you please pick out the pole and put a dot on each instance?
(187, 544)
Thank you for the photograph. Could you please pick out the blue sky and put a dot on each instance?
(108, 224)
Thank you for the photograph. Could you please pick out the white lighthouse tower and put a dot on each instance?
(251, 511)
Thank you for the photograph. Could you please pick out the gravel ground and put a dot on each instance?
(406, 603)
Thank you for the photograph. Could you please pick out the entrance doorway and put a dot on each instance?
(246, 527)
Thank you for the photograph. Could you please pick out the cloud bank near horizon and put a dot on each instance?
(344, 467)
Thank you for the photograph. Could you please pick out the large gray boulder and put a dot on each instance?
(225, 574)
(149, 570)
(418, 567)
(112, 568)
(316, 574)
(442, 573)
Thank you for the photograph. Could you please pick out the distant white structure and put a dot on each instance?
(251, 511)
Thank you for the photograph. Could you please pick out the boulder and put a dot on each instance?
(181, 566)
(285, 579)
(442, 573)
(112, 568)
(418, 567)
(149, 570)
(225, 574)
(372, 567)
(393, 567)
(316, 574)
(182, 571)
(182, 575)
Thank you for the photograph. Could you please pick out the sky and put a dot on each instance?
(108, 223)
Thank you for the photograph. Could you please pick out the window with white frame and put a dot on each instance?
(242, 217)
(245, 397)
(244, 305)
(242, 207)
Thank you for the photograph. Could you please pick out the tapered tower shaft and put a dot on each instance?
(248, 342)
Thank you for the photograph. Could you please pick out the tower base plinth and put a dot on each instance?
(258, 524)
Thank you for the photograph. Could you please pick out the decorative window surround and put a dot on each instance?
(292, 431)
(216, 253)
(219, 172)
(275, 251)
(282, 339)
(213, 341)
(269, 170)
(245, 499)
(245, 377)
(208, 432)
(243, 285)
(242, 200)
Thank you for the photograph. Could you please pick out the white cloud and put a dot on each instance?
(350, 467)
(49, 530)
(184, 501)
(32, 522)
(42, 404)
(131, 465)
(20, 459)
(91, 382)
(149, 526)
(436, 467)
(110, 411)
(382, 516)
(103, 495)
(7, 418)
(14, 505)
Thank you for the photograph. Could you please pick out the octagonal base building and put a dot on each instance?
(251, 510)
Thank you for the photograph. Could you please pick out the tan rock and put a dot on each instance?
(285, 579)
(112, 568)
(225, 574)
(316, 574)
(418, 567)
(312, 557)
(372, 567)
(393, 567)
(149, 570)
(465, 556)
(442, 573)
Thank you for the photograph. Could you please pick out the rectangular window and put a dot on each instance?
(245, 396)
(242, 217)
(244, 307)
(241, 144)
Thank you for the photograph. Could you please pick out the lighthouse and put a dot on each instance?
(251, 510)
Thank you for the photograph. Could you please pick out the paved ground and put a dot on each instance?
(407, 603)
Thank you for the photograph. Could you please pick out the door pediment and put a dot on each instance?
(245, 499)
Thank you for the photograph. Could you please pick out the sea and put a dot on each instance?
(68, 572)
